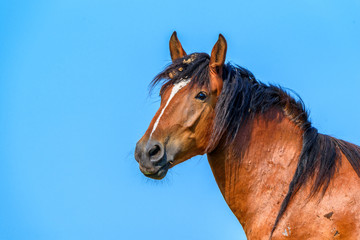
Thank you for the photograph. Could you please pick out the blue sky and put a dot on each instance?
(74, 101)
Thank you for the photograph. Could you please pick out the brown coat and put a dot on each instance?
(254, 177)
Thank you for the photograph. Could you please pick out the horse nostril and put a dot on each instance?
(154, 150)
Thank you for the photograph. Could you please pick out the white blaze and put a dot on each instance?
(174, 90)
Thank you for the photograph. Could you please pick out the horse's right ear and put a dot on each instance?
(176, 50)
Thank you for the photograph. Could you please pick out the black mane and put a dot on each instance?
(242, 97)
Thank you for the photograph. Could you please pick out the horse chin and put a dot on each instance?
(160, 174)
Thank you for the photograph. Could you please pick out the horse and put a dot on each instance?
(280, 177)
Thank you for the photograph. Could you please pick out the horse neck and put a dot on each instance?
(254, 172)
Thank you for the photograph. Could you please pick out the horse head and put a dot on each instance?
(182, 126)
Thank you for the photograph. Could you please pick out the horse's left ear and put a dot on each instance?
(217, 60)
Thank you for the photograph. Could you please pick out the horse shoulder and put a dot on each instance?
(333, 216)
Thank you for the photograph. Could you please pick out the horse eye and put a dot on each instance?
(201, 96)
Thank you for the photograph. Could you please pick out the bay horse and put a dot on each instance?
(280, 177)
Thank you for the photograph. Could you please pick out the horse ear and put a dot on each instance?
(216, 64)
(176, 50)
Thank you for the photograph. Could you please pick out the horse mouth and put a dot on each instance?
(159, 174)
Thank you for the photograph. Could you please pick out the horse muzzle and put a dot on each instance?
(152, 159)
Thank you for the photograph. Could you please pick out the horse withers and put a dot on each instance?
(280, 177)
